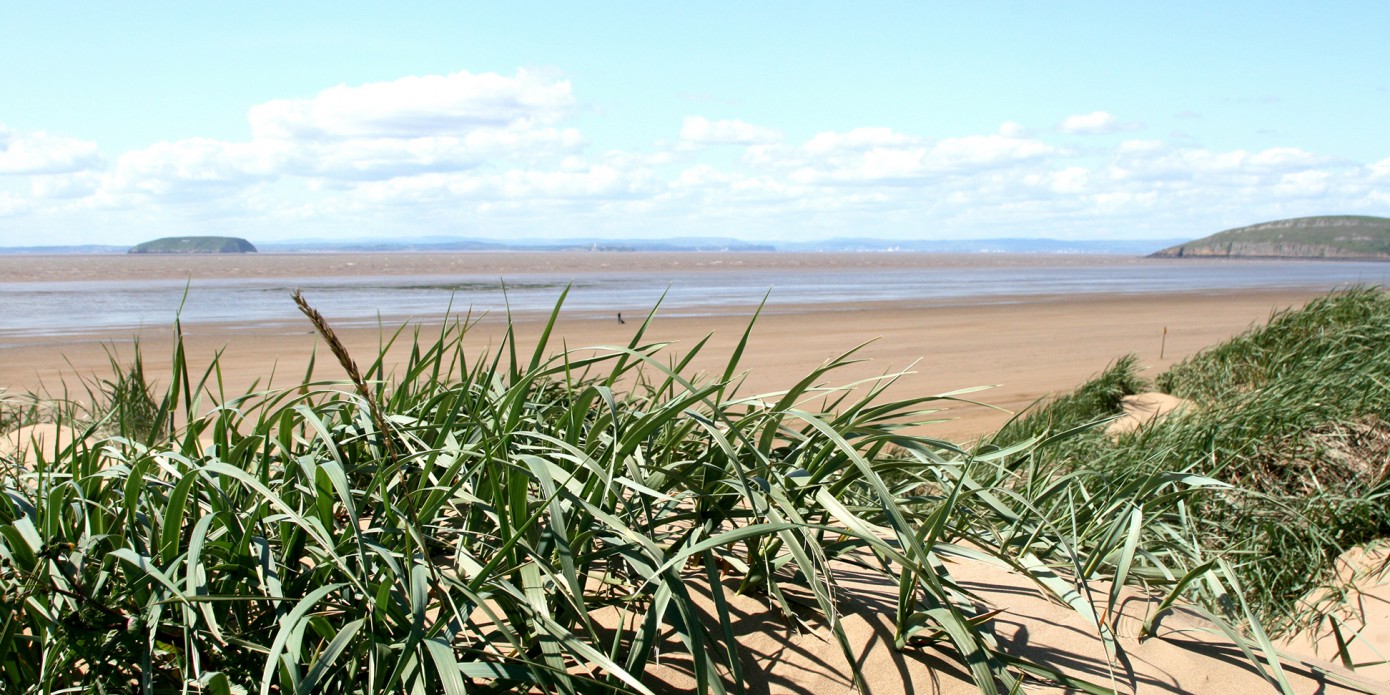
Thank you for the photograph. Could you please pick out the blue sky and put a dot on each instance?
(777, 121)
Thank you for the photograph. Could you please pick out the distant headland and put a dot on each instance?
(1333, 237)
(195, 244)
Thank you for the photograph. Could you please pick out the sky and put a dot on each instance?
(769, 121)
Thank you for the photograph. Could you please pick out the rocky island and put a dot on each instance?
(195, 244)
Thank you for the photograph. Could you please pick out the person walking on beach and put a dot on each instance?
(620, 318)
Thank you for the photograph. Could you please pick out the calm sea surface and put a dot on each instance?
(74, 307)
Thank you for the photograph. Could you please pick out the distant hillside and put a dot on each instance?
(1059, 246)
(74, 249)
(681, 244)
(1343, 237)
(452, 244)
(195, 244)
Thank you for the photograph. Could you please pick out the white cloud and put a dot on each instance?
(857, 139)
(1094, 123)
(412, 107)
(194, 168)
(986, 150)
(1304, 184)
(1070, 180)
(880, 155)
(1125, 202)
(385, 158)
(12, 205)
(377, 132)
(496, 155)
(1011, 129)
(1286, 158)
(38, 152)
(697, 131)
(769, 155)
(1151, 160)
(419, 125)
(1379, 170)
(703, 176)
(598, 182)
(59, 186)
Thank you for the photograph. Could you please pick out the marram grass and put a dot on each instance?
(1293, 415)
(464, 523)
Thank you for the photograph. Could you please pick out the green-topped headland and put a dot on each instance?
(1340, 237)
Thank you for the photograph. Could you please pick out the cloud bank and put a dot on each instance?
(490, 155)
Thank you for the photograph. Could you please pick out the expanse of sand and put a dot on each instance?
(1186, 653)
(58, 268)
(1026, 348)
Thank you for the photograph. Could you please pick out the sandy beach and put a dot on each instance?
(1024, 348)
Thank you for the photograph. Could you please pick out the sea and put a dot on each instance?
(36, 308)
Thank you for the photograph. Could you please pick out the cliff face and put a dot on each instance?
(1268, 250)
(1339, 238)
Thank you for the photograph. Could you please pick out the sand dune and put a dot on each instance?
(1186, 654)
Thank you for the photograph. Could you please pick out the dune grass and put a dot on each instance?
(1293, 415)
(16, 412)
(527, 521)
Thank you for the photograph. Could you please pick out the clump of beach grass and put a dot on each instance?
(1293, 416)
(465, 523)
(17, 411)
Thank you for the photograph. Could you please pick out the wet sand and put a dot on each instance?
(1026, 349)
(58, 268)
